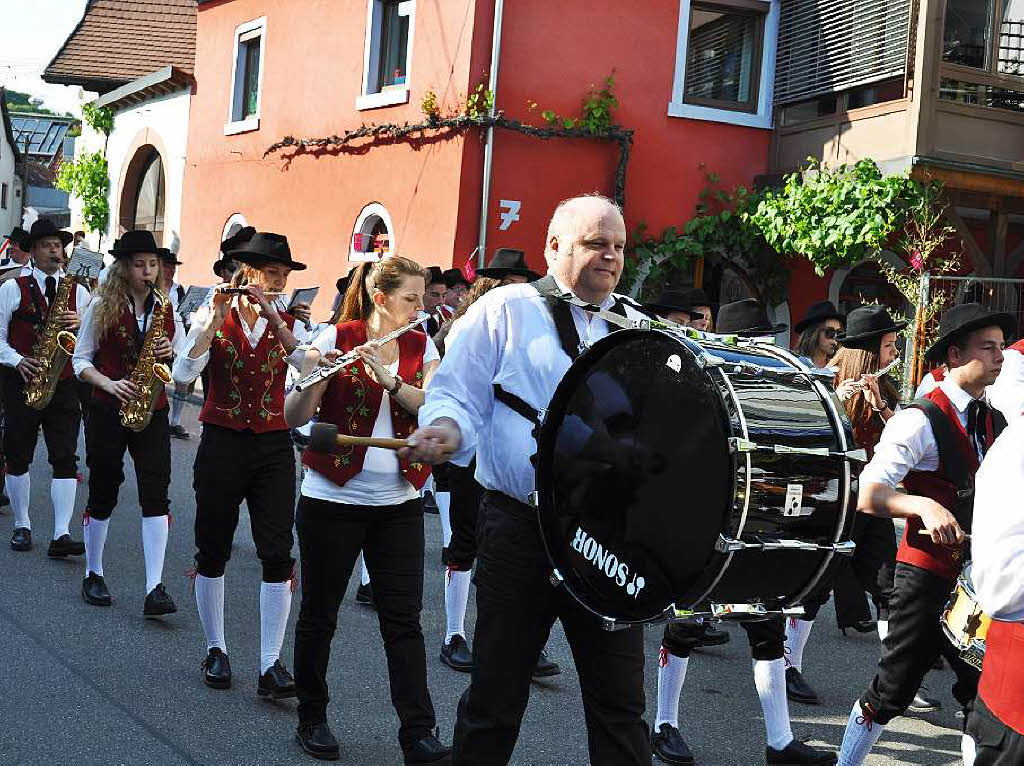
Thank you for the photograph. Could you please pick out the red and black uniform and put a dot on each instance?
(997, 721)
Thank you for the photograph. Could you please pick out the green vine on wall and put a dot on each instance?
(88, 177)
(595, 113)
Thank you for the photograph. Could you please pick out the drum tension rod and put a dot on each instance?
(732, 545)
(745, 445)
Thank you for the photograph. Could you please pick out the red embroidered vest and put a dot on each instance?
(29, 317)
(916, 548)
(353, 399)
(246, 384)
(1002, 674)
(116, 354)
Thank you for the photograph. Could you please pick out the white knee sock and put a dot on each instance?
(444, 504)
(770, 681)
(18, 490)
(456, 594)
(797, 632)
(968, 749)
(95, 533)
(364, 575)
(154, 545)
(883, 629)
(210, 603)
(671, 675)
(861, 735)
(275, 603)
(62, 493)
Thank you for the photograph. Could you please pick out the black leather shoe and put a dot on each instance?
(712, 636)
(428, 750)
(179, 432)
(861, 626)
(545, 667)
(798, 752)
(216, 669)
(668, 745)
(4, 500)
(798, 690)
(430, 504)
(21, 539)
(94, 590)
(65, 546)
(318, 741)
(364, 595)
(456, 655)
(923, 703)
(158, 603)
(277, 683)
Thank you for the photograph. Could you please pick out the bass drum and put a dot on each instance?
(692, 472)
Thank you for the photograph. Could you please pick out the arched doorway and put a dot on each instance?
(372, 235)
(143, 193)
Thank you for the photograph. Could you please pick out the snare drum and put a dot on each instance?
(678, 471)
(963, 622)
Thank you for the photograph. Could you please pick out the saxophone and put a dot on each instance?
(52, 349)
(148, 374)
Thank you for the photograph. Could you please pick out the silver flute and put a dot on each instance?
(323, 372)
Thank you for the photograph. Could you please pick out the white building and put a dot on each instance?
(11, 192)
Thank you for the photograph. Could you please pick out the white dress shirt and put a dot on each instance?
(997, 536)
(907, 443)
(89, 342)
(507, 337)
(1007, 393)
(10, 299)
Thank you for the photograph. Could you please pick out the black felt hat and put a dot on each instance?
(167, 256)
(866, 326)
(696, 296)
(44, 227)
(17, 236)
(434, 276)
(266, 247)
(746, 317)
(133, 242)
(454, 277)
(818, 313)
(671, 300)
(236, 240)
(507, 262)
(960, 320)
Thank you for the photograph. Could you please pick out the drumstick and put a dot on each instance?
(926, 532)
(324, 437)
(370, 441)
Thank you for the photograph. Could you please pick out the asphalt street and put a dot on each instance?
(87, 685)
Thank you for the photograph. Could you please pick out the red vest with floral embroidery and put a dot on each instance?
(352, 400)
(29, 317)
(117, 354)
(1002, 675)
(246, 383)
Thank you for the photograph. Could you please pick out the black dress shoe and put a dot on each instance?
(456, 655)
(94, 590)
(158, 603)
(179, 432)
(277, 683)
(712, 636)
(923, 703)
(65, 546)
(861, 626)
(429, 503)
(364, 595)
(21, 539)
(4, 500)
(428, 750)
(318, 741)
(545, 667)
(798, 752)
(798, 690)
(216, 669)
(668, 744)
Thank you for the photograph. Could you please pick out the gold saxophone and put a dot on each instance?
(52, 349)
(149, 375)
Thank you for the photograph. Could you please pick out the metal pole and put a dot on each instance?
(492, 86)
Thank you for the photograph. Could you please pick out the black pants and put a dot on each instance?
(997, 744)
(391, 538)
(59, 420)
(105, 443)
(464, 510)
(915, 640)
(232, 466)
(516, 607)
(767, 638)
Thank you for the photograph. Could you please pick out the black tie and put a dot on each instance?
(51, 290)
(977, 417)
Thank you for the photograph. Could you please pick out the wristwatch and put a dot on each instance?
(398, 384)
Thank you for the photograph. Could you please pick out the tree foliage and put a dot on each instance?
(88, 179)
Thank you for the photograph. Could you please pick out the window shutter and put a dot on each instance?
(827, 46)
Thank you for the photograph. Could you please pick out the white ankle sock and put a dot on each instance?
(62, 493)
(364, 575)
(861, 735)
(670, 685)
(456, 595)
(797, 632)
(18, 490)
(154, 545)
(95, 533)
(968, 749)
(883, 629)
(770, 681)
(210, 603)
(275, 603)
(444, 504)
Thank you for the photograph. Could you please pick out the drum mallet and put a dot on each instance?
(324, 437)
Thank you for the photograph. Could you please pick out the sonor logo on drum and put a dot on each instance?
(607, 562)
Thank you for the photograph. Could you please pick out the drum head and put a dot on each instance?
(634, 475)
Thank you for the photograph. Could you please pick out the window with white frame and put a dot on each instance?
(725, 61)
(247, 76)
(3, 196)
(372, 234)
(387, 53)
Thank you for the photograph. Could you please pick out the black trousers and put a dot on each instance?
(997, 744)
(391, 538)
(915, 640)
(60, 420)
(464, 510)
(232, 466)
(516, 607)
(767, 638)
(105, 443)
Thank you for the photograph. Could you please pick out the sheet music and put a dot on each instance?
(85, 264)
(303, 295)
(193, 298)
